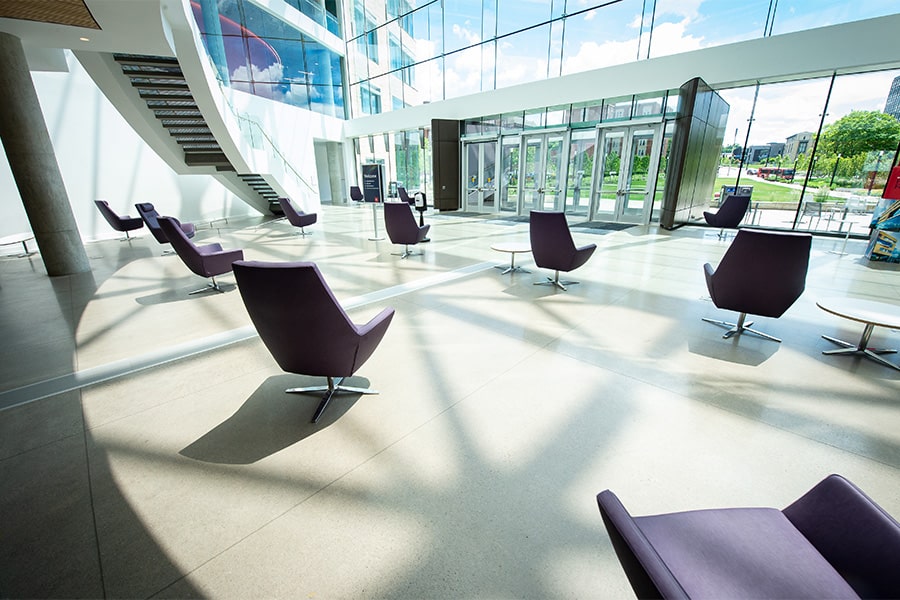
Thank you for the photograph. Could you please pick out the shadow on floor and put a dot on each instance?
(270, 421)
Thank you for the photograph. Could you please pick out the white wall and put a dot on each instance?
(101, 157)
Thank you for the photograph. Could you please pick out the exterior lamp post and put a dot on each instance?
(834, 171)
(875, 172)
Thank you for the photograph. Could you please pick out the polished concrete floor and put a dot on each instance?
(147, 448)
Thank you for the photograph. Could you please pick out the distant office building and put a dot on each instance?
(892, 105)
(797, 144)
(761, 153)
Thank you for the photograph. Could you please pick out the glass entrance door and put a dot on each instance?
(582, 149)
(541, 172)
(629, 158)
(481, 176)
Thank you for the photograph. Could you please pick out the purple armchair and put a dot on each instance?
(731, 212)
(205, 261)
(304, 327)
(356, 194)
(553, 248)
(122, 224)
(404, 195)
(834, 542)
(297, 218)
(151, 218)
(762, 273)
(402, 228)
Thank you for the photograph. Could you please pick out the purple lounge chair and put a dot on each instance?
(356, 194)
(834, 542)
(730, 214)
(404, 195)
(151, 218)
(304, 327)
(553, 248)
(297, 218)
(206, 261)
(402, 227)
(762, 273)
(122, 224)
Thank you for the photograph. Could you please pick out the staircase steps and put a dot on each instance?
(160, 82)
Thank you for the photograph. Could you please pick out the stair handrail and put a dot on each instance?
(255, 125)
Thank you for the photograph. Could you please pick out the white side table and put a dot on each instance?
(871, 314)
(512, 248)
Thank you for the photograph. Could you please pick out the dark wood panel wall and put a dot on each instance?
(445, 165)
(694, 160)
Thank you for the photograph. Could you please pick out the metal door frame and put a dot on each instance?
(481, 188)
(628, 129)
(562, 175)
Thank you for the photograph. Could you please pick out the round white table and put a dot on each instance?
(18, 238)
(871, 314)
(512, 248)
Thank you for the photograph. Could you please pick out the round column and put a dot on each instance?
(34, 167)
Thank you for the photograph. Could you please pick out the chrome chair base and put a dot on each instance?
(554, 281)
(333, 387)
(406, 252)
(740, 327)
(212, 286)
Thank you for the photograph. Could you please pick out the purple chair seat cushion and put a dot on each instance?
(741, 553)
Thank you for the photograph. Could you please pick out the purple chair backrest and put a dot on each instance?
(183, 246)
(298, 318)
(151, 218)
(731, 212)
(356, 194)
(551, 241)
(855, 535)
(114, 220)
(400, 223)
(294, 217)
(762, 273)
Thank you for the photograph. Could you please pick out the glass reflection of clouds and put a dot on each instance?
(268, 57)
(509, 42)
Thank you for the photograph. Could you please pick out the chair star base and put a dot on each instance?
(554, 281)
(740, 327)
(406, 253)
(333, 387)
(212, 286)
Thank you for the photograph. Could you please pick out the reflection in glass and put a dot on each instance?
(462, 24)
(612, 144)
(801, 16)
(516, 59)
(515, 15)
(602, 37)
(580, 172)
(679, 27)
(617, 109)
(509, 174)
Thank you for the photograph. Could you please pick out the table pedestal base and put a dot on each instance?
(512, 268)
(862, 347)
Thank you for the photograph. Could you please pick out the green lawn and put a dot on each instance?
(762, 191)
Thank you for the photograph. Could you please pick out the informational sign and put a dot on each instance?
(373, 182)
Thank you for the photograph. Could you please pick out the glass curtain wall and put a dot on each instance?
(433, 50)
(816, 153)
(256, 52)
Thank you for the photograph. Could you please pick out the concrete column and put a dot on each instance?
(34, 167)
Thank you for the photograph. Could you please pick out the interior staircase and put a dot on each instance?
(161, 84)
